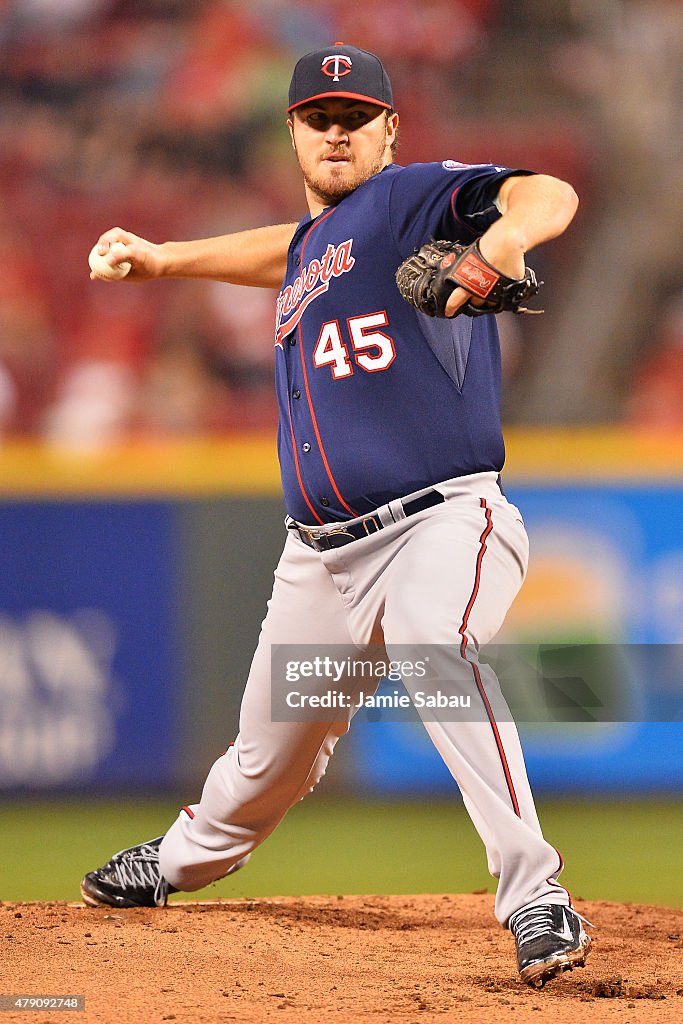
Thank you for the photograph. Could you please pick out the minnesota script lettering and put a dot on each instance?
(312, 282)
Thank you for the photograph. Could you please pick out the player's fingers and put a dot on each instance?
(117, 247)
(106, 240)
(458, 298)
(119, 253)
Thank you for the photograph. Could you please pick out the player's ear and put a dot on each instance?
(391, 128)
(290, 125)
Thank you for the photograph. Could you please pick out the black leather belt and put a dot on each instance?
(346, 533)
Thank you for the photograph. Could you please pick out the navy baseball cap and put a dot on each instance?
(340, 71)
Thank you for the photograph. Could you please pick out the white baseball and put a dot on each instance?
(102, 270)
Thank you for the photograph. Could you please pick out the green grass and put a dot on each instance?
(623, 851)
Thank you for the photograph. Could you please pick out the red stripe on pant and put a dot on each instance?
(475, 668)
(553, 881)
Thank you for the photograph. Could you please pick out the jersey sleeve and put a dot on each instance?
(444, 200)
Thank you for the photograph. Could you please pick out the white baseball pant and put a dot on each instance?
(445, 576)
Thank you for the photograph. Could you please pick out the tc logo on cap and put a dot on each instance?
(336, 66)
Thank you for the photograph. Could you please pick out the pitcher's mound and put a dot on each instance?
(379, 959)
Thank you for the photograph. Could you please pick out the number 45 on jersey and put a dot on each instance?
(372, 349)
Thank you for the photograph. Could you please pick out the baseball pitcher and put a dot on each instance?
(387, 371)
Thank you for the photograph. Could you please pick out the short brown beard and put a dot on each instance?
(332, 196)
(335, 195)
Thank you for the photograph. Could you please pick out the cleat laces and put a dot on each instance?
(139, 869)
(161, 892)
(538, 921)
(535, 922)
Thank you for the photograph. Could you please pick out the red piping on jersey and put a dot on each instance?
(475, 668)
(188, 811)
(308, 394)
(459, 219)
(298, 470)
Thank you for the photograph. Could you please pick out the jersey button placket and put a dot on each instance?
(306, 447)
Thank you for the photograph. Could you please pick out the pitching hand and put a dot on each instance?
(146, 258)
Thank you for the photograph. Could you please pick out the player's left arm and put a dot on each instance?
(534, 209)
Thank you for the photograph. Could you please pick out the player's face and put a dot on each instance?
(340, 144)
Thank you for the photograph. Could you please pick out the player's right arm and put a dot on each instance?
(257, 257)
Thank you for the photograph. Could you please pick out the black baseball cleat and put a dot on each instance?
(550, 939)
(130, 879)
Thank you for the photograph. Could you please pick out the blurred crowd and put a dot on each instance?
(167, 118)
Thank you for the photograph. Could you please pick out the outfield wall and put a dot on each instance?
(134, 583)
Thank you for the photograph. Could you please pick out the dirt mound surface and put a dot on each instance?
(379, 959)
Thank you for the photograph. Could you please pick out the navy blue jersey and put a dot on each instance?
(375, 399)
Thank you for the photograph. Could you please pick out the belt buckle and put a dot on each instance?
(338, 531)
(376, 524)
(306, 534)
(318, 540)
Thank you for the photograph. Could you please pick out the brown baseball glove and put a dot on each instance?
(427, 278)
